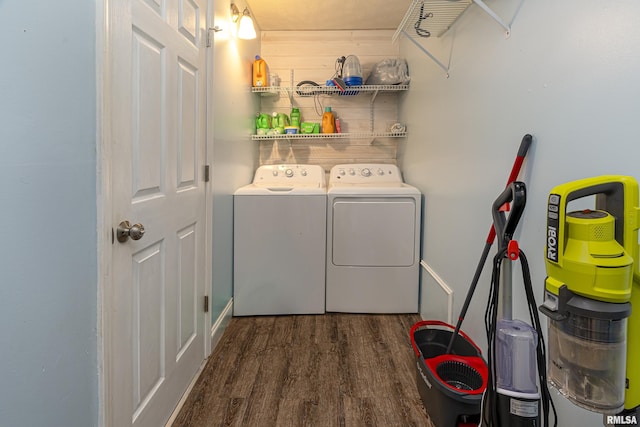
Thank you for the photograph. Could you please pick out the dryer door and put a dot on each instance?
(374, 232)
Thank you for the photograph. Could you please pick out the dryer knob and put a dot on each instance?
(275, 173)
(352, 172)
(380, 172)
(366, 172)
(341, 172)
(289, 173)
(303, 172)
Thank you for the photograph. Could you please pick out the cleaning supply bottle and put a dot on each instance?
(295, 117)
(260, 72)
(279, 121)
(328, 121)
(263, 123)
(352, 71)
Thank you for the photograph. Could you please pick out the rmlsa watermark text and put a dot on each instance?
(629, 420)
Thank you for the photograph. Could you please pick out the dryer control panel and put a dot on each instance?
(365, 173)
(293, 175)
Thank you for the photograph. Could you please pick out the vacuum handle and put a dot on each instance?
(615, 194)
(515, 194)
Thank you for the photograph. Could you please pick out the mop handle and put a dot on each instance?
(515, 171)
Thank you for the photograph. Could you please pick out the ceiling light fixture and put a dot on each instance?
(246, 30)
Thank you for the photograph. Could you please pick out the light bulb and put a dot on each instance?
(246, 29)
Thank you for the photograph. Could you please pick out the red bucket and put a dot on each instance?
(450, 385)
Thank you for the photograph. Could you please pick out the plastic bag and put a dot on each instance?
(390, 71)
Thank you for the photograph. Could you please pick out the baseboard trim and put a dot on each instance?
(221, 324)
(445, 288)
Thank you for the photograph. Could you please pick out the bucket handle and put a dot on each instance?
(422, 323)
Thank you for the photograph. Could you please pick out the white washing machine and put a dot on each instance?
(280, 242)
(373, 234)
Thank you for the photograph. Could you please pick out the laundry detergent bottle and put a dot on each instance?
(279, 121)
(295, 117)
(328, 121)
(260, 72)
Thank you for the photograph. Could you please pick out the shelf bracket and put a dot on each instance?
(426, 52)
(371, 112)
(493, 15)
(290, 93)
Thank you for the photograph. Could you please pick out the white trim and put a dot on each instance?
(208, 192)
(221, 324)
(103, 200)
(447, 290)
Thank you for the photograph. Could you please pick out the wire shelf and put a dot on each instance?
(354, 135)
(440, 16)
(328, 90)
(433, 18)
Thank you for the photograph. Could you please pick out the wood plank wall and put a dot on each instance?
(311, 55)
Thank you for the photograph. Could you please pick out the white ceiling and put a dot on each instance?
(296, 15)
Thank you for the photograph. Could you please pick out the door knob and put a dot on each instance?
(126, 230)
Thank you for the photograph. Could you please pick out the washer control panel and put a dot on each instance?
(293, 175)
(365, 173)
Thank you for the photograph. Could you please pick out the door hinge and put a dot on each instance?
(206, 173)
(206, 303)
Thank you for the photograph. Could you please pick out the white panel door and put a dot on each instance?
(154, 309)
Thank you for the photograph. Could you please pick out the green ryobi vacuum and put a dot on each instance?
(592, 284)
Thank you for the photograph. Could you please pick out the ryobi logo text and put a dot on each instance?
(552, 243)
(552, 227)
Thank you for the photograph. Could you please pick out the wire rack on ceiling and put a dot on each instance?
(430, 18)
(433, 18)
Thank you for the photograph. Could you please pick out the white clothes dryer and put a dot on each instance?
(373, 235)
(280, 242)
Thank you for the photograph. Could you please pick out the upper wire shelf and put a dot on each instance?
(353, 135)
(329, 90)
(433, 18)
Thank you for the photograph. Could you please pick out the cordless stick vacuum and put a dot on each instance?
(593, 281)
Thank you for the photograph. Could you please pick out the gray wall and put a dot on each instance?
(48, 361)
(234, 154)
(568, 75)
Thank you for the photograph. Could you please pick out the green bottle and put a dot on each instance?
(295, 117)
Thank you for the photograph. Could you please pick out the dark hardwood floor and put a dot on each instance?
(316, 370)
